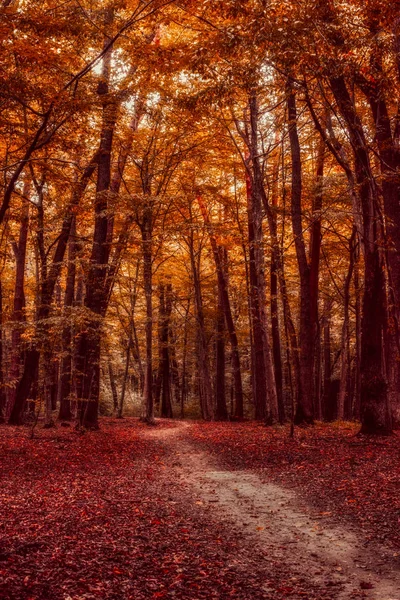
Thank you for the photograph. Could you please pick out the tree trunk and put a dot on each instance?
(318, 375)
(389, 164)
(277, 267)
(47, 388)
(276, 342)
(266, 400)
(375, 410)
(113, 385)
(357, 358)
(124, 381)
(221, 413)
(184, 355)
(344, 351)
(220, 259)
(65, 383)
(305, 403)
(18, 317)
(327, 355)
(89, 352)
(315, 251)
(3, 398)
(165, 310)
(205, 387)
(148, 291)
(157, 385)
(32, 355)
(174, 366)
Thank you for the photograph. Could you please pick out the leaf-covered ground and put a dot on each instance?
(103, 515)
(347, 476)
(110, 514)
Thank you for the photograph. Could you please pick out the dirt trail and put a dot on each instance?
(281, 529)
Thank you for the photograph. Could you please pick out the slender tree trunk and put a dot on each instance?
(3, 398)
(65, 383)
(327, 356)
(266, 399)
(315, 251)
(161, 333)
(138, 357)
(184, 355)
(357, 359)
(220, 259)
(148, 291)
(221, 413)
(277, 267)
(47, 389)
(305, 403)
(174, 365)
(318, 375)
(258, 366)
(166, 308)
(113, 385)
(275, 329)
(344, 352)
(205, 387)
(18, 317)
(276, 342)
(159, 377)
(375, 410)
(124, 381)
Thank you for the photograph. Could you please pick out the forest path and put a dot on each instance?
(279, 529)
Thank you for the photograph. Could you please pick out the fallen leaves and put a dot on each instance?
(346, 477)
(97, 517)
(103, 516)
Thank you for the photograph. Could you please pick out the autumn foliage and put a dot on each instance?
(199, 211)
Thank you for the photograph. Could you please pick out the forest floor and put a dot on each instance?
(198, 511)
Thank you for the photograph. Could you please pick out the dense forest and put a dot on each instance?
(200, 300)
(200, 211)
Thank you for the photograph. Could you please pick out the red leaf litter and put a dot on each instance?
(348, 476)
(106, 515)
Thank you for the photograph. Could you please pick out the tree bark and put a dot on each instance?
(276, 341)
(223, 296)
(305, 403)
(65, 382)
(275, 328)
(165, 315)
(344, 350)
(266, 400)
(183, 386)
(357, 357)
(113, 385)
(89, 346)
(375, 410)
(315, 252)
(221, 412)
(146, 229)
(205, 387)
(3, 397)
(327, 355)
(124, 381)
(18, 317)
(277, 265)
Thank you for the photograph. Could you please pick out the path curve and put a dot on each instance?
(274, 520)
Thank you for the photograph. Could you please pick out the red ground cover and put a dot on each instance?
(103, 516)
(347, 476)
